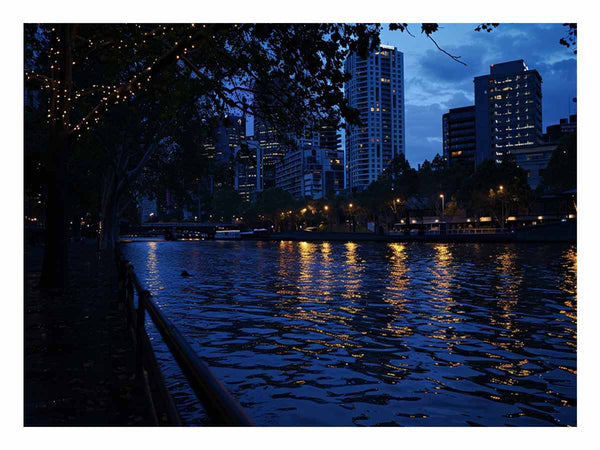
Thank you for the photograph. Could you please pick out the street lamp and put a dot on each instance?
(502, 206)
(442, 197)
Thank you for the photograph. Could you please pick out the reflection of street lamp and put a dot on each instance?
(442, 197)
(501, 191)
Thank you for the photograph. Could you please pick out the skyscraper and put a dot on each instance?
(273, 149)
(376, 89)
(458, 133)
(248, 170)
(508, 110)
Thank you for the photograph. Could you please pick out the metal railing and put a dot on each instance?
(221, 407)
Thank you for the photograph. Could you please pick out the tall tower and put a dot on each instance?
(272, 147)
(376, 89)
(508, 110)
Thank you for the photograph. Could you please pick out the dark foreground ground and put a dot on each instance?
(78, 355)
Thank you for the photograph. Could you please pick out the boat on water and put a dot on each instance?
(228, 234)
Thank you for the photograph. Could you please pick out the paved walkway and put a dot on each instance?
(79, 357)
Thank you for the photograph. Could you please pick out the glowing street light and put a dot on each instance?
(442, 197)
(326, 207)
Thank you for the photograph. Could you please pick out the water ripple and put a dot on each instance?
(374, 334)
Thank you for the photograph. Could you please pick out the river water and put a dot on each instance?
(371, 333)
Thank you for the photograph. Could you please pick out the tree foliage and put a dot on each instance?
(561, 173)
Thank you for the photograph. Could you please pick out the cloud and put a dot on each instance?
(434, 82)
(423, 132)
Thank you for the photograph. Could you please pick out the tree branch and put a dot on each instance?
(455, 58)
(127, 88)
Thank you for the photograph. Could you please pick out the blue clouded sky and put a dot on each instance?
(434, 82)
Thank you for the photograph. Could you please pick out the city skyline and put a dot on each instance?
(435, 83)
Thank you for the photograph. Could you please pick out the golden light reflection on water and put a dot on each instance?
(396, 288)
(326, 275)
(286, 273)
(443, 273)
(307, 261)
(398, 270)
(508, 290)
(353, 268)
(509, 282)
(568, 283)
(311, 293)
(152, 267)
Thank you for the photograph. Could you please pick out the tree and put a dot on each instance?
(226, 203)
(274, 203)
(228, 62)
(497, 189)
(561, 173)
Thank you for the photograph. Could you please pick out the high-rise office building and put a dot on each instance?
(508, 110)
(313, 165)
(248, 170)
(458, 134)
(225, 135)
(376, 89)
(273, 148)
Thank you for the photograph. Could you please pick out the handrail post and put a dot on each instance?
(122, 280)
(129, 293)
(139, 330)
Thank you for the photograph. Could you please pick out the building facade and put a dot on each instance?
(508, 110)
(564, 127)
(458, 135)
(248, 170)
(534, 161)
(376, 89)
(273, 148)
(315, 157)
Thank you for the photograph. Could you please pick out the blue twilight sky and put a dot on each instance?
(434, 82)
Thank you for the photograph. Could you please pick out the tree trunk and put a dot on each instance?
(109, 228)
(54, 266)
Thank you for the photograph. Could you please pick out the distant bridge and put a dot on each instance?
(178, 228)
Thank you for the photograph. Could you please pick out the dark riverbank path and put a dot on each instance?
(79, 358)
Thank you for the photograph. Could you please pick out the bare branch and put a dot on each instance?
(455, 58)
